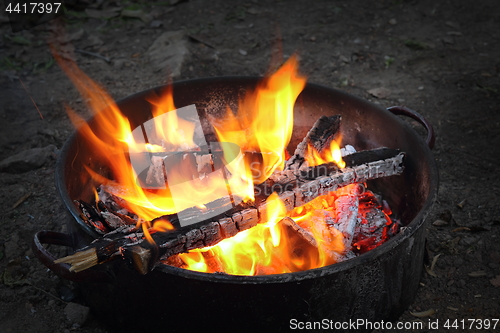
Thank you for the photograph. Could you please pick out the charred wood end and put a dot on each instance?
(319, 137)
(140, 258)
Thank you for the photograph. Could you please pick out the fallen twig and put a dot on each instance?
(97, 55)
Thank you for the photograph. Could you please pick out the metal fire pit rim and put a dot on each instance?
(371, 255)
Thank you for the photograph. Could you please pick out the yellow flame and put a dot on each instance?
(333, 154)
(269, 249)
(264, 121)
(171, 131)
(263, 125)
(249, 251)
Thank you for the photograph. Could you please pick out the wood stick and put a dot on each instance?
(319, 138)
(234, 219)
(304, 233)
(346, 209)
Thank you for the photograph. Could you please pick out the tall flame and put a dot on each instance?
(263, 124)
(264, 121)
(261, 128)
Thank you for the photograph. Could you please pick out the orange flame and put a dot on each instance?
(333, 154)
(264, 122)
(264, 249)
(171, 131)
(272, 248)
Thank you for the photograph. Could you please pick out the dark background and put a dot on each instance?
(440, 58)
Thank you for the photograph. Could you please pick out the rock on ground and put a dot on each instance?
(27, 160)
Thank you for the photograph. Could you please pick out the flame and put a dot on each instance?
(264, 121)
(264, 249)
(263, 124)
(333, 154)
(271, 248)
(172, 132)
(261, 129)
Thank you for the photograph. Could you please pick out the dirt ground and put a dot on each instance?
(440, 58)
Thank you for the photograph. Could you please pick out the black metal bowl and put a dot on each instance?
(378, 285)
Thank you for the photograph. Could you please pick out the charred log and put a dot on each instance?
(319, 138)
(200, 227)
(235, 219)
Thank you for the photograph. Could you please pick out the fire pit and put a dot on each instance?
(375, 286)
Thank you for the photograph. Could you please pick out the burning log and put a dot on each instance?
(198, 227)
(304, 233)
(295, 192)
(335, 254)
(347, 207)
(319, 137)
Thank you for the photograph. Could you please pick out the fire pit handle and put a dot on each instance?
(404, 111)
(62, 270)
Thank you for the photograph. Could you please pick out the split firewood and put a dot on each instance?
(319, 138)
(235, 219)
(331, 239)
(339, 224)
(346, 209)
(200, 227)
(304, 233)
(326, 245)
